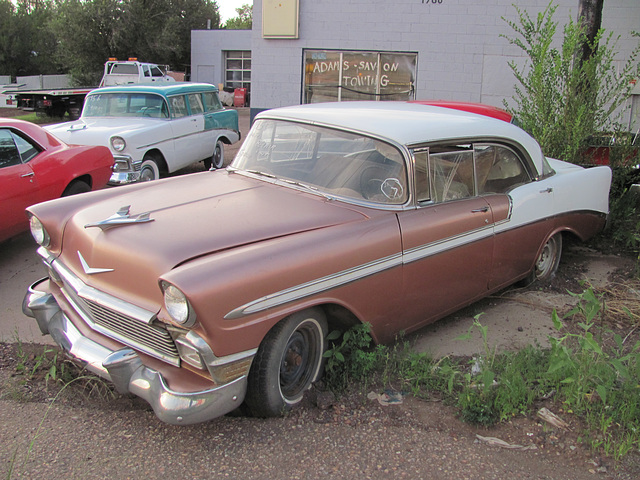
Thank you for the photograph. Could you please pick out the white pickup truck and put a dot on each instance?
(57, 102)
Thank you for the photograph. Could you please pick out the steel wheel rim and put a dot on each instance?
(547, 258)
(300, 360)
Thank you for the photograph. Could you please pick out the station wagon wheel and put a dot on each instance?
(149, 170)
(547, 261)
(288, 361)
(217, 159)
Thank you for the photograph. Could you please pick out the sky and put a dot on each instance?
(227, 8)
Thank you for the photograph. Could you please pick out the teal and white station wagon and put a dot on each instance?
(153, 130)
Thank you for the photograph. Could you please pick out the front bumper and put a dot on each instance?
(125, 369)
(123, 178)
(126, 170)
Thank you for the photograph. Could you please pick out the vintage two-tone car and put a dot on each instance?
(330, 215)
(36, 166)
(153, 130)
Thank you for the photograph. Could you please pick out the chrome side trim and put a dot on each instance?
(316, 286)
(430, 249)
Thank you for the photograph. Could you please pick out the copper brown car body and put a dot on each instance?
(196, 291)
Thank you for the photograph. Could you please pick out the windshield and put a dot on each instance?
(327, 160)
(125, 105)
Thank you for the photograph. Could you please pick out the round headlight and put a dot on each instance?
(38, 232)
(118, 143)
(176, 303)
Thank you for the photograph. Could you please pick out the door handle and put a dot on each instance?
(547, 190)
(480, 210)
(30, 174)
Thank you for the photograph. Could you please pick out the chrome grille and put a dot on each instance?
(104, 313)
(154, 338)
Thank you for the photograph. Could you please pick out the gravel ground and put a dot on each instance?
(86, 433)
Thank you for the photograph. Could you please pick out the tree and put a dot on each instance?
(159, 31)
(243, 21)
(85, 34)
(88, 32)
(26, 45)
(590, 17)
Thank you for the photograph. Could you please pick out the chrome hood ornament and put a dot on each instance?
(89, 270)
(121, 217)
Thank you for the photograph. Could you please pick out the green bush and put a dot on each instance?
(559, 99)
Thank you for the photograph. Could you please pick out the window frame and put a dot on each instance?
(427, 153)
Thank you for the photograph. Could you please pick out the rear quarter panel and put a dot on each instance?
(57, 170)
(580, 189)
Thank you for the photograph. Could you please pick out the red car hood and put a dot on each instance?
(189, 217)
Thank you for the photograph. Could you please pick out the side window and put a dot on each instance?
(9, 154)
(499, 169)
(145, 69)
(26, 149)
(195, 102)
(423, 192)
(156, 72)
(178, 106)
(212, 102)
(452, 173)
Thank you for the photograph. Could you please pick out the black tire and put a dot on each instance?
(149, 170)
(288, 361)
(547, 262)
(75, 188)
(216, 160)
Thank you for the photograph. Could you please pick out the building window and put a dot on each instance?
(331, 76)
(238, 69)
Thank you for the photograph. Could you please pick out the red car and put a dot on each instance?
(36, 166)
(479, 108)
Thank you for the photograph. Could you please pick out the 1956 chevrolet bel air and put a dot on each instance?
(154, 129)
(201, 292)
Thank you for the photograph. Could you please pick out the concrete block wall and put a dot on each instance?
(207, 52)
(461, 54)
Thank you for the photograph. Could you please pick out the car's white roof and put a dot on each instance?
(409, 124)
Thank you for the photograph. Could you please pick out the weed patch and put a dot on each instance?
(589, 371)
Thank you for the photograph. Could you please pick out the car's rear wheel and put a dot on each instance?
(548, 260)
(76, 187)
(149, 170)
(288, 361)
(217, 159)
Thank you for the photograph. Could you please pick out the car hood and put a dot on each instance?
(184, 218)
(98, 130)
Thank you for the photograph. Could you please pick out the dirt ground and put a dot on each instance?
(85, 431)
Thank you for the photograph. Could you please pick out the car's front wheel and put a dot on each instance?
(288, 361)
(149, 170)
(217, 159)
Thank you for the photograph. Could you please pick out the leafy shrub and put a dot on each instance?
(561, 100)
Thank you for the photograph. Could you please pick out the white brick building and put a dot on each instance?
(448, 49)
